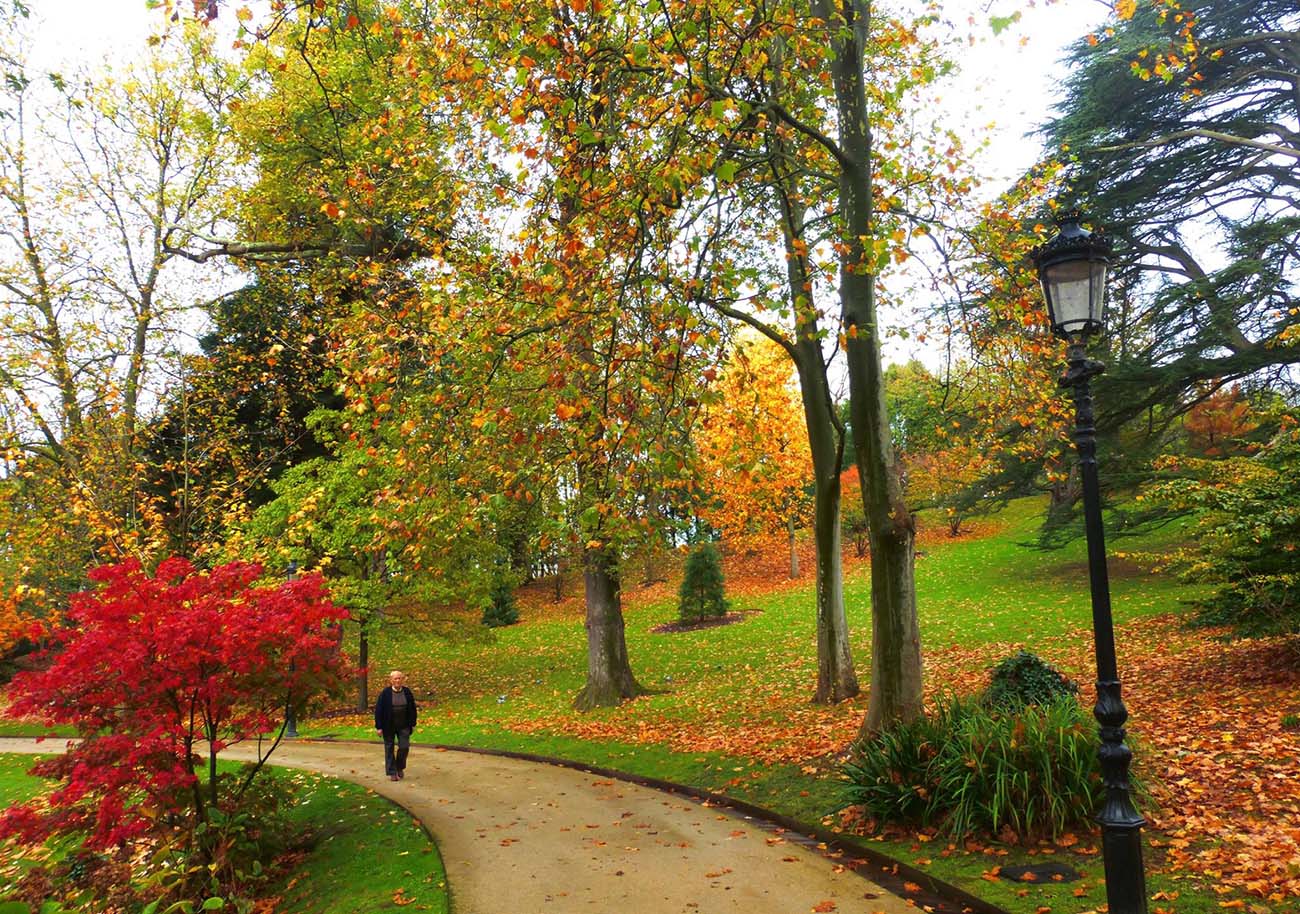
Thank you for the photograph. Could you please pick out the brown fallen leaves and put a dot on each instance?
(1206, 718)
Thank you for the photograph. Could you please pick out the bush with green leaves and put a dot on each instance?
(968, 767)
(1247, 534)
(702, 594)
(500, 609)
(1026, 679)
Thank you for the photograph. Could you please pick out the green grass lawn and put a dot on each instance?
(982, 596)
(359, 852)
(730, 705)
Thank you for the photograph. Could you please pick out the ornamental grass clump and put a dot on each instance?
(970, 767)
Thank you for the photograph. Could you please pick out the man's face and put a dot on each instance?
(397, 680)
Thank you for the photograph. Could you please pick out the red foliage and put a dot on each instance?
(149, 669)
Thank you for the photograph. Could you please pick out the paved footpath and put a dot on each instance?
(522, 837)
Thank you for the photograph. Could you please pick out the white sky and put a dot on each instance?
(1007, 82)
(1003, 82)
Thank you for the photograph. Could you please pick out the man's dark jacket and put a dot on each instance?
(384, 710)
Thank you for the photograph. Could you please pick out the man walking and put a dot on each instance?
(395, 719)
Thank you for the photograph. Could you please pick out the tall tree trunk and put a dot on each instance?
(609, 674)
(896, 640)
(363, 661)
(836, 677)
(794, 553)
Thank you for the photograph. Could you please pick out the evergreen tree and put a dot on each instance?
(500, 609)
(701, 595)
(1181, 135)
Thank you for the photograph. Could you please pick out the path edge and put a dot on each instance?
(937, 896)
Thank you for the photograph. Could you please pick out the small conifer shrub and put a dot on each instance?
(500, 609)
(702, 595)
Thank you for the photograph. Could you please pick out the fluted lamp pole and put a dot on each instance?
(1072, 267)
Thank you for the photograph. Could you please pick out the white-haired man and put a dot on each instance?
(395, 720)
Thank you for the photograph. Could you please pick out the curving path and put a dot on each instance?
(522, 837)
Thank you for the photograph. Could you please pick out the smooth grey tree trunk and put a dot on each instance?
(609, 674)
(836, 677)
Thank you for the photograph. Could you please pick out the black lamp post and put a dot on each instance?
(1072, 267)
(290, 715)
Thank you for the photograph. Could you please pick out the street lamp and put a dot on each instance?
(291, 716)
(1072, 267)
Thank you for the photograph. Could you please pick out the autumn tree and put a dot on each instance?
(94, 171)
(756, 91)
(753, 448)
(810, 105)
(158, 673)
(1218, 424)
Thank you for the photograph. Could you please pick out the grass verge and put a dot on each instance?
(357, 852)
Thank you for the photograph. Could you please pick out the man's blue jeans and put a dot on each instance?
(395, 755)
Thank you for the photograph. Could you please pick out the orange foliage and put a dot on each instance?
(754, 446)
(1214, 424)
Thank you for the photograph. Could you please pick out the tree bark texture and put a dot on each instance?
(896, 642)
(609, 674)
(836, 677)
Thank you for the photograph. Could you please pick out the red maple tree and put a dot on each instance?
(157, 674)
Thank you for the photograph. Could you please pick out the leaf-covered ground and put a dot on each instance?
(730, 705)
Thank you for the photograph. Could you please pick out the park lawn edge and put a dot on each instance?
(322, 804)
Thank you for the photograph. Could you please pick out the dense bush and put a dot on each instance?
(500, 609)
(1026, 679)
(1247, 534)
(970, 767)
(702, 595)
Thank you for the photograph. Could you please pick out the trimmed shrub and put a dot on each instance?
(500, 609)
(702, 595)
(1026, 679)
(972, 767)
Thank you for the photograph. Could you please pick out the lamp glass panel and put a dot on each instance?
(1071, 289)
(1099, 270)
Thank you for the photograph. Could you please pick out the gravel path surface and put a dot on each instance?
(522, 837)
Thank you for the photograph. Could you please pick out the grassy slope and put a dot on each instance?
(361, 853)
(726, 689)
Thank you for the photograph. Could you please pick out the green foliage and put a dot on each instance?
(500, 609)
(1026, 679)
(701, 595)
(1247, 536)
(968, 767)
(1132, 129)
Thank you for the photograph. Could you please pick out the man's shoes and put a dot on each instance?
(401, 774)
(393, 777)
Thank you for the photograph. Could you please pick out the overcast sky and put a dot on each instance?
(1006, 82)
